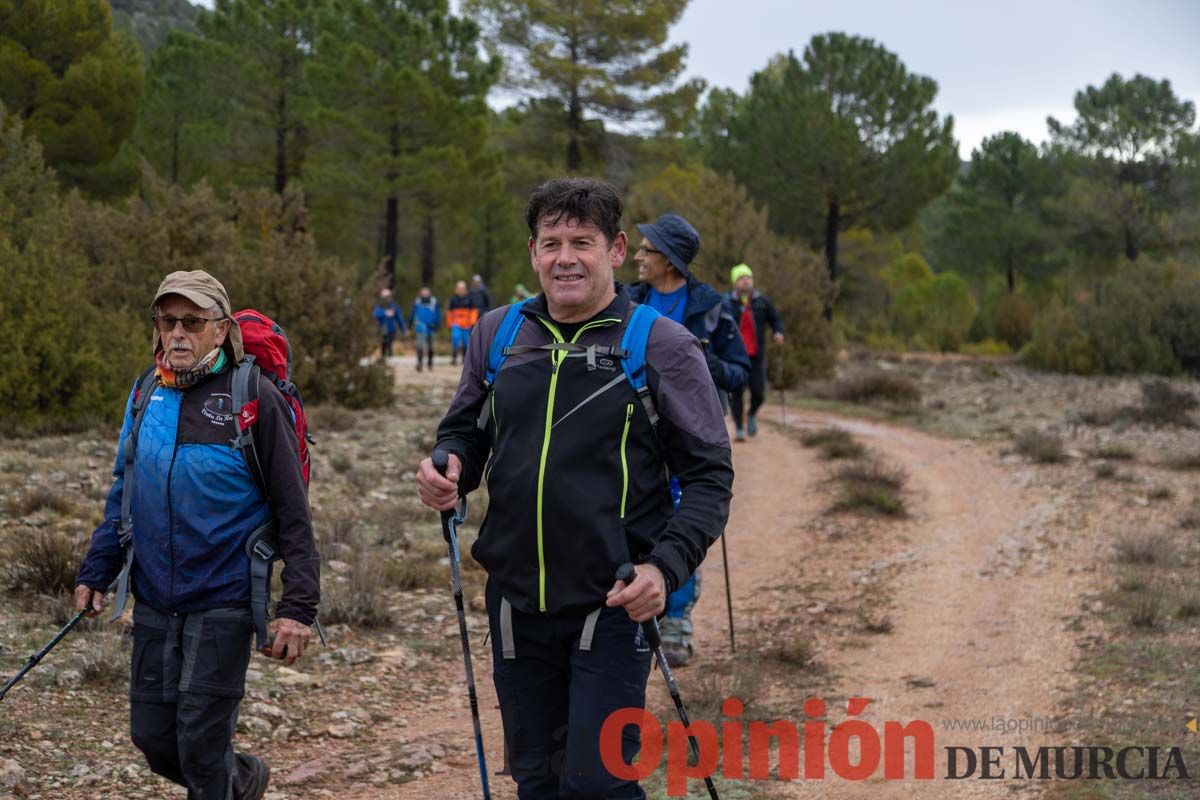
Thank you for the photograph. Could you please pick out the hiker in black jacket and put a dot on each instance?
(754, 312)
(576, 470)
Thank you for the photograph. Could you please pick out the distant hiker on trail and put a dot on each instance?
(390, 319)
(755, 312)
(424, 320)
(576, 451)
(481, 298)
(183, 505)
(667, 248)
(460, 318)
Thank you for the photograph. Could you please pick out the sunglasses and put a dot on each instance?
(167, 323)
(646, 250)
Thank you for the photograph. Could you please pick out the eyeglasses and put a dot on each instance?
(643, 250)
(167, 323)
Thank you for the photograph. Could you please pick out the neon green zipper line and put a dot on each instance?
(624, 463)
(556, 358)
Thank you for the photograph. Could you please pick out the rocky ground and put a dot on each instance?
(1008, 590)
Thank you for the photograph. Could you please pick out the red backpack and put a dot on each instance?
(267, 352)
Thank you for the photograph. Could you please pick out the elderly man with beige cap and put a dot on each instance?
(176, 522)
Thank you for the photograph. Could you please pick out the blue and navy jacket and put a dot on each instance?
(710, 320)
(389, 323)
(425, 317)
(195, 503)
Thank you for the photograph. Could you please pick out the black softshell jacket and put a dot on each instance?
(576, 475)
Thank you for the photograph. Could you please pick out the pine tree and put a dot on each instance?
(74, 83)
(607, 59)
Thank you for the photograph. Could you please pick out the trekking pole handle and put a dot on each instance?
(627, 573)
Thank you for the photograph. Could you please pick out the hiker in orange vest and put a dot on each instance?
(461, 316)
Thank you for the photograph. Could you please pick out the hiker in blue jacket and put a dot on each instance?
(663, 257)
(424, 320)
(193, 505)
(390, 319)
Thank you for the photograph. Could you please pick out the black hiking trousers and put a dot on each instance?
(188, 676)
(554, 697)
(758, 390)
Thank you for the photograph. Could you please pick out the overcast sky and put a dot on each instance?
(999, 64)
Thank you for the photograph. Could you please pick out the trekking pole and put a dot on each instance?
(33, 660)
(782, 389)
(450, 522)
(627, 573)
(728, 593)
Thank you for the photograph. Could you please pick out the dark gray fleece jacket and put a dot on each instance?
(576, 474)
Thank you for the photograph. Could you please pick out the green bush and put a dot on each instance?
(1124, 330)
(935, 312)
(77, 278)
(1012, 320)
(1059, 344)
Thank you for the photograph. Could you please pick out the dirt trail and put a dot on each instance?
(975, 606)
(973, 598)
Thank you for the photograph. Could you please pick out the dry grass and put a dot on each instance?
(42, 561)
(867, 388)
(1113, 452)
(833, 444)
(1144, 549)
(1039, 447)
(104, 657)
(870, 488)
(357, 599)
(1163, 405)
(1147, 608)
(330, 418)
(36, 499)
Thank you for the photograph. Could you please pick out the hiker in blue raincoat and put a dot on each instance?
(182, 507)
(663, 257)
(390, 319)
(424, 320)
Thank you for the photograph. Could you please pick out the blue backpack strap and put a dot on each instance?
(637, 334)
(506, 334)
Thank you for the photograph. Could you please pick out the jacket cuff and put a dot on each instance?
(672, 567)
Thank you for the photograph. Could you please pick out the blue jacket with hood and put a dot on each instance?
(709, 319)
(195, 503)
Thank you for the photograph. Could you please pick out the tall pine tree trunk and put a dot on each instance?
(427, 253)
(1131, 247)
(489, 249)
(831, 236)
(574, 121)
(1012, 271)
(281, 140)
(175, 149)
(391, 219)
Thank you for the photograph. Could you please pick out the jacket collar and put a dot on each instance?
(619, 307)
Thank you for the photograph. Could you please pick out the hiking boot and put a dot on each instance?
(739, 435)
(752, 426)
(252, 778)
(678, 655)
(418, 366)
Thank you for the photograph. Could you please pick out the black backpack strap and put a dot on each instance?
(245, 391)
(262, 549)
(141, 400)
